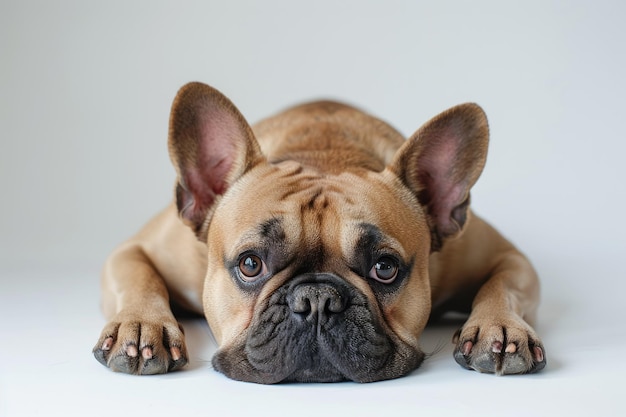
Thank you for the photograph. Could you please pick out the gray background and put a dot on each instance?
(85, 91)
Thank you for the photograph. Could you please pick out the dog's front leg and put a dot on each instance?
(497, 337)
(142, 335)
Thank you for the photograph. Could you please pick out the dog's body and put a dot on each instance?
(331, 241)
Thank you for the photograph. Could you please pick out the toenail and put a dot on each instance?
(147, 352)
(175, 353)
(131, 350)
(538, 354)
(496, 347)
(108, 342)
(467, 348)
(511, 348)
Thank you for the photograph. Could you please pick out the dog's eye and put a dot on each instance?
(385, 270)
(251, 267)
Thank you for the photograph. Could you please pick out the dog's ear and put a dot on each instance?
(211, 145)
(441, 162)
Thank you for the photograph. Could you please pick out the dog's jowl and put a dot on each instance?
(317, 244)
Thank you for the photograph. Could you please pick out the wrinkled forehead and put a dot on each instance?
(290, 205)
(289, 191)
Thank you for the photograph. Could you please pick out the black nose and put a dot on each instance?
(317, 301)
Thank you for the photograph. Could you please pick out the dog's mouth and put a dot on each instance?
(317, 328)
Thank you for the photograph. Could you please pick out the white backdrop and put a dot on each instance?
(85, 90)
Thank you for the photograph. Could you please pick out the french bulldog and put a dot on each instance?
(318, 244)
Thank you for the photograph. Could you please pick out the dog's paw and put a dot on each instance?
(503, 347)
(142, 348)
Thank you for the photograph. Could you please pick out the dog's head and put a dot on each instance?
(315, 276)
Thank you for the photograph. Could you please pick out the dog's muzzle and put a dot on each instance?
(317, 328)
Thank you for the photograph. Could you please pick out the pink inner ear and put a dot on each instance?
(439, 157)
(444, 192)
(444, 208)
(218, 136)
(218, 148)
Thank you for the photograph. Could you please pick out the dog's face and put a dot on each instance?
(310, 278)
(315, 276)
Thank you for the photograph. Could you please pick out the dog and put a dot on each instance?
(318, 244)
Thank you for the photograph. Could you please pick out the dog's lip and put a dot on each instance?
(322, 351)
(314, 375)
